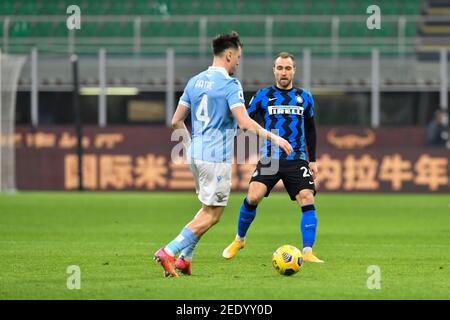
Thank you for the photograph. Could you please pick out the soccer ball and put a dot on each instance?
(287, 260)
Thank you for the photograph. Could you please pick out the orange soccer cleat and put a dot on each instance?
(167, 262)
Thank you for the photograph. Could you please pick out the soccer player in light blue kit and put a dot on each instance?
(216, 103)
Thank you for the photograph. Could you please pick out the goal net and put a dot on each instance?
(10, 66)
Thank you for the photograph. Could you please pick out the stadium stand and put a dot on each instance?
(111, 23)
(207, 7)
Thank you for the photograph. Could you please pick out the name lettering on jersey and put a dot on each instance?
(296, 110)
(203, 84)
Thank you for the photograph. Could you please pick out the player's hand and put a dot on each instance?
(284, 144)
(314, 170)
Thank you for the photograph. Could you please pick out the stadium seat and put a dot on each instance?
(152, 29)
(178, 7)
(7, 7)
(322, 7)
(60, 29)
(230, 7)
(301, 29)
(52, 8)
(356, 29)
(411, 29)
(318, 29)
(410, 8)
(202, 8)
(389, 29)
(115, 29)
(20, 29)
(27, 7)
(344, 7)
(252, 7)
(89, 29)
(42, 29)
(93, 8)
(215, 28)
(278, 29)
(181, 29)
(116, 7)
(276, 8)
(297, 8)
(389, 8)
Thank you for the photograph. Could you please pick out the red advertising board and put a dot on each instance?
(139, 158)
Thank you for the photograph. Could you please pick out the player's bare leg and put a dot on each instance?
(305, 199)
(256, 193)
(205, 219)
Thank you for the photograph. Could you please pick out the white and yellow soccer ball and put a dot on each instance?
(287, 260)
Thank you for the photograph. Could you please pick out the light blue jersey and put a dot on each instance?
(211, 95)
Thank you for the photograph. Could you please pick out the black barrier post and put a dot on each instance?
(78, 124)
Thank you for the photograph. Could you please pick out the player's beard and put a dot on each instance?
(284, 83)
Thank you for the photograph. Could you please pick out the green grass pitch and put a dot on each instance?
(112, 238)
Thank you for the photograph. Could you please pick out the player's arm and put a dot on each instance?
(246, 123)
(311, 140)
(178, 122)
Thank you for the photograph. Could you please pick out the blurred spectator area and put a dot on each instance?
(329, 36)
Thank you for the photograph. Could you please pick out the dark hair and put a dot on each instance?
(225, 41)
(284, 55)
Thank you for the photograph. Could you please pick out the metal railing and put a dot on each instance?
(375, 74)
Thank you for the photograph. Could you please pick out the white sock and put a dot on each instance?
(306, 249)
(240, 238)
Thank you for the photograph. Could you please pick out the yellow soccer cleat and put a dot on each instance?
(309, 257)
(233, 249)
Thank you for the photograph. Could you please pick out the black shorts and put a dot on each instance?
(295, 175)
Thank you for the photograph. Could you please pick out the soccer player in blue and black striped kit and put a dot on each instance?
(290, 111)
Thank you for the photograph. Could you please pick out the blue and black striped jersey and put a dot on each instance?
(286, 111)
